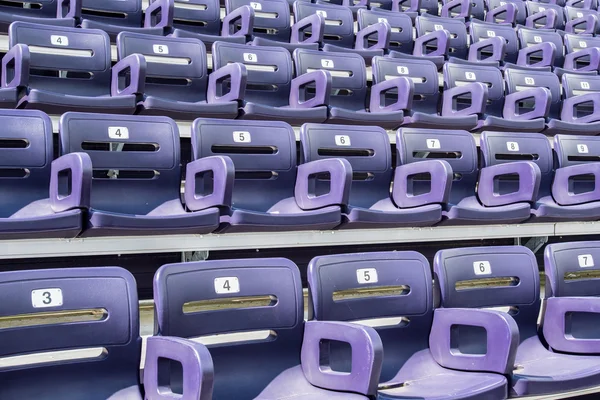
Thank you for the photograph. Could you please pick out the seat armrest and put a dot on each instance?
(551, 19)
(159, 14)
(441, 183)
(367, 356)
(556, 314)
(15, 67)
(69, 9)
(479, 97)
(569, 108)
(529, 183)
(405, 91)
(465, 9)
(322, 82)
(238, 76)
(541, 96)
(383, 30)
(497, 44)
(196, 363)
(135, 64)
(340, 173)
(590, 21)
(242, 17)
(315, 24)
(502, 340)
(223, 176)
(78, 169)
(494, 14)
(560, 187)
(443, 43)
(548, 55)
(592, 60)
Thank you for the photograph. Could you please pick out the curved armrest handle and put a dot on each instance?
(77, 169)
(405, 89)
(315, 24)
(463, 5)
(442, 37)
(569, 108)
(529, 183)
(441, 183)
(243, 17)
(69, 9)
(196, 363)
(555, 324)
(551, 19)
(15, 67)
(159, 14)
(509, 10)
(237, 74)
(382, 30)
(591, 56)
(340, 173)
(367, 356)
(135, 65)
(479, 96)
(496, 44)
(560, 187)
(542, 98)
(322, 82)
(590, 22)
(502, 340)
(223, 176)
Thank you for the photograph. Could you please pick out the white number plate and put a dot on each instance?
(582, 149)
(342, 140)
(366, 275)
(41, 298)
(250, 57)
(59, 40)
(512, 146)
(118, 132)
(242, 137)
(327, 63)
(160, 49)
(585, 260)
(482, 268)
(433, 143)
(229, 284)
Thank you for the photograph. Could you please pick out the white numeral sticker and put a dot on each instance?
(529, 81)
(160, 49)
(229, 284)
(583, 44)
(342, 140)
(327, 63)
(582, 149)
(585, 260)
(255, 5)
(512, 146)
(366, 275)
(470, 76)
(502, 3)
(118, 132)
(579, 14)
(433, 143)
(59, 40)
(41, 298)
(322, 13)
(242, 137)
(585, 85)
(540, 9)
(491, 33)
(382, 20)
(482, 268)
(438, 27)
(250, 57)
(537, 39)
(402, 70)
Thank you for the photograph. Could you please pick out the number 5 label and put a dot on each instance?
(227, 285)
(366, 275)
(42, 298)
(585, 261)
(482, 268)
(242, 137)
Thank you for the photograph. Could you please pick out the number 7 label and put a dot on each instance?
(585, 260)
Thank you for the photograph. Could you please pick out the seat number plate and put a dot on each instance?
(482, 268)
(242, 137)
(582, 149)
(57, 40)
(42, 298)
(585, 260)
(250, 57)
(366, 275)
(433, 143)
(229, 284)
(512, 146)
(118, 132)
(342, 140)
(160, 49)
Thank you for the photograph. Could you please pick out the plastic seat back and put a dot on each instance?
(348, 72)
(534, 7)
(530, 37)
(519, 5)
(199, 299)
(395, 287)
(422, 72)
(578, 84)
(575, 42)
(574, 150)
(367, 149)
(264, 155)
(175, 67)
(104, 331)
(480, 30)
(270, 70)
(200, 16)
(572, 271)
(40, 9)
(401, 36)
(456, 147)
(135, 159)
(519, 79)
(81, 69)
(271, 17)
(339, 21)
(458, 43)
(114, 12)
(26, 151)
(495, 276)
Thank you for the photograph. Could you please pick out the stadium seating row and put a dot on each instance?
(372, 318)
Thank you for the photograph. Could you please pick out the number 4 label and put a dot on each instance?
(229, 284)
(59, 40)
(118, 132)
(42, 298)
(366, 275)
(482, 268)
(585, 260)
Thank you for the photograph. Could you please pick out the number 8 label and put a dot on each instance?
(366, 275)
(482, 268)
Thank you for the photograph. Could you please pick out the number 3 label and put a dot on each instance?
(482, 268)
(585, 261)
(42, 298)
(227, 285)
(366, 275)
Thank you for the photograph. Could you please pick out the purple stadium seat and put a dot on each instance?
(496, 6)
(430, 7)
(574, 43)
(173, 77)
(581, 21)
(349, 91)
(137, 176)
(424, 349)
(458, 41)
(270, 192)
(483, 36)
(401, 34)
(270, 92)
(477, 196)
(371, 205)
(291, 360)
(508, 276)
(110, 368)
(540, 47)
(58, 69)
(544, 15)
(43, 12)
(463, 9)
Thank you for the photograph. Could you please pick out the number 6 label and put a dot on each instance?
(482, 268)
(42, 298)
(585, 260)
(227, 285)
(366, 275)
(342, 140)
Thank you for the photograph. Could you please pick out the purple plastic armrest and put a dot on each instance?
(315, 24)
(136, 64)
(550, 15)
(245, 16)
(548, 55)
(479, 97)
(529, 183)
(223, 172)
(502, 340)
(367, 356)
(414, 6)
(508, 8)
(554, 328)
(159, 14)
(590, 21)
(383, 31)
(322, 82)
(15, 67)
(465, 9)
(441, 183)
(405, 91)
(340, 173)
(541, 96)
(569, 108)
(592, 58)
(560, 187)
(497, 44)
(80, 167)
(238, 76)
(196, 362)
(69, 9)
(443, 43)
